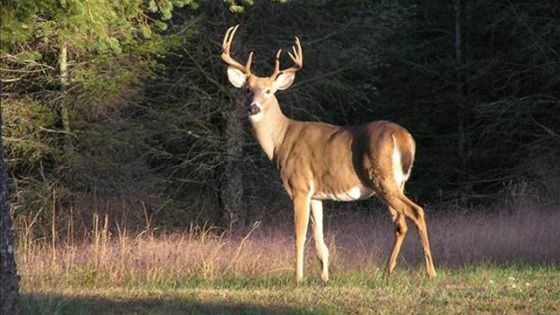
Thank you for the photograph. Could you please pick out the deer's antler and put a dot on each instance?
(297, 58)
(226, 57)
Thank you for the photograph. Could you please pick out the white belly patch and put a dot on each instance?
(354, 193)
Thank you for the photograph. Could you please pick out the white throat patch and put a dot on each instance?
(257, 117)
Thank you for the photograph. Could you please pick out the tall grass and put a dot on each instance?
(113, 256)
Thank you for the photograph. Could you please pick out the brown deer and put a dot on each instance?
(319, 161)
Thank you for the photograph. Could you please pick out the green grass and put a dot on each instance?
(488, 289)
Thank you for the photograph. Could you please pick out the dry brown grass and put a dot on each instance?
(356, 243)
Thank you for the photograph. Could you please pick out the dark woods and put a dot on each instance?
(146, 128)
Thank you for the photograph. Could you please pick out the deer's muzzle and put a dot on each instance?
(253, 109)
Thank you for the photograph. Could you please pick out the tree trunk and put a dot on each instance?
(232, 192)
(460, 95)
(64, 83)
(9, 279)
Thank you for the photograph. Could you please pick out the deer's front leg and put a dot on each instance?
(301, 219)
(320, 246)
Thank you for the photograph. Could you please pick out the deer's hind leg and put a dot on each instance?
(400, 226)
(416, 214)
(404, 207)
(401, 207)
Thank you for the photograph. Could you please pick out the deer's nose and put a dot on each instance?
(254, 109)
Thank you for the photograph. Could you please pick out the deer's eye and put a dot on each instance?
(267, 91)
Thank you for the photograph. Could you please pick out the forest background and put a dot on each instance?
(123, 108)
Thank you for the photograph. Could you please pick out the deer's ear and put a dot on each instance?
(236, 77)
(284, 80)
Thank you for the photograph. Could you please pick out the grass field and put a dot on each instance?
(499, 264)
(484, 289)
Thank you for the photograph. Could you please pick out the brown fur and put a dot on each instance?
(319, 161)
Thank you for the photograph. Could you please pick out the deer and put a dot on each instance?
(319, 161)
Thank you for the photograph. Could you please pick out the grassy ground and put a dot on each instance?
(485, 289)
(508, 263)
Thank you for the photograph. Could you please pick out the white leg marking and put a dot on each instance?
(320, 246)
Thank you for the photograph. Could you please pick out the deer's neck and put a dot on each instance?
(271, 129)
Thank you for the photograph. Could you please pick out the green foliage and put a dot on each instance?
(112, 47)
(26, 124)
(238, 7)
(102, 26)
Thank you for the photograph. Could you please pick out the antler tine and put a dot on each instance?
(226, 36)
(249, 61)
(226, 57)
(297, 58)
(277, 65)
(226, 43)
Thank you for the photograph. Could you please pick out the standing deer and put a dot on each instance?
(319, 161)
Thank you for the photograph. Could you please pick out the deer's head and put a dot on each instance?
(259, 90)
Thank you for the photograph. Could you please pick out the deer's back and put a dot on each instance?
(334, 161)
